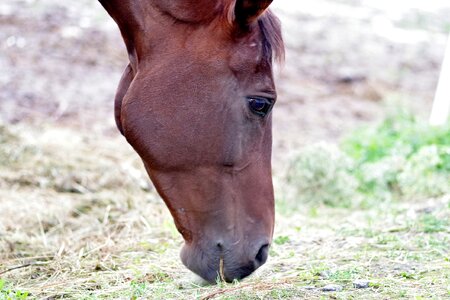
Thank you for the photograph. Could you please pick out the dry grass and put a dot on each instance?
(79, 220)
(75, 207)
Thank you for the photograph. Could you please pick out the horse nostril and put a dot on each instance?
(262, 254)
(219, 245)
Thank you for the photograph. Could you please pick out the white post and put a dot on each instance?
(441, 104)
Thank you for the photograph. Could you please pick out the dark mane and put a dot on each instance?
(270, 26)
(273, 45)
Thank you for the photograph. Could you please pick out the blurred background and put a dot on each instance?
(347, 61)
(350, 135)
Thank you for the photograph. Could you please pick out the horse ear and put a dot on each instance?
(129, 19)
(248, 11)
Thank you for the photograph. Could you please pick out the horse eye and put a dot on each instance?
(260, 106)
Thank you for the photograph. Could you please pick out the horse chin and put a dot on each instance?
(200, 263)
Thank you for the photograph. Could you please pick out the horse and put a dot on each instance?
(195, 103)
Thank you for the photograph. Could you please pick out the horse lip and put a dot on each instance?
(233, 169)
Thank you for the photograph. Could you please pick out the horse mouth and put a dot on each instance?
(220, 268)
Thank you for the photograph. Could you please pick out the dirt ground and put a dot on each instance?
(85, 235)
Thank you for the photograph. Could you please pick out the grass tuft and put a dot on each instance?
(399, 159)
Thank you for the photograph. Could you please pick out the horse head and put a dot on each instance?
(195, 103)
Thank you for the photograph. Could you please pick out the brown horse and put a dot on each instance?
(195, 103)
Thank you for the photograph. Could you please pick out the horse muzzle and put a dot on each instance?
(225, 261)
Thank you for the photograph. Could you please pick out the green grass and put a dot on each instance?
(10, 294)
(430, 224)
(399, 159)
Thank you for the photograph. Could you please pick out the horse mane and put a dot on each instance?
(273, 44)
(270, 26)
